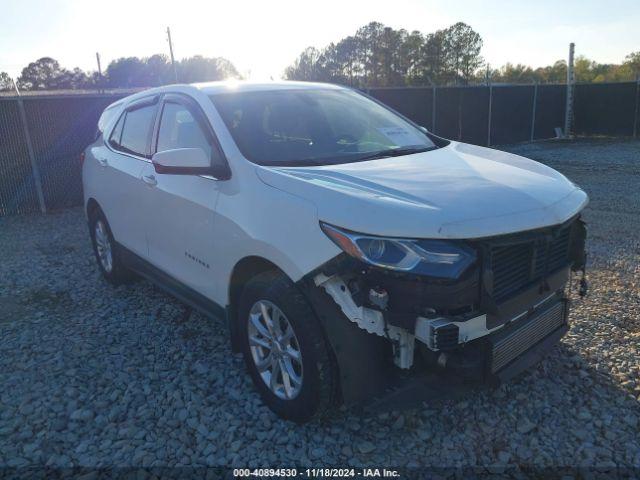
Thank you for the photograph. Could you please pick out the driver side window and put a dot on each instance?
(179, 129)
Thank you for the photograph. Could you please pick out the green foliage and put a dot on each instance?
(157, 70)
(46, 74)
(202, 69)
(509, 73)
(5, 82)
(379, 56)
(130, 72)
(461, 47)
(375, 56)
(632, 64)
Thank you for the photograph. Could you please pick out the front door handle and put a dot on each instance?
(102, 161)
(150, 180)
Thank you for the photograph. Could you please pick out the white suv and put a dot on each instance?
(355, 256)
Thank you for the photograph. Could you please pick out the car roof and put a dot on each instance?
(212, 88)
(247, 86)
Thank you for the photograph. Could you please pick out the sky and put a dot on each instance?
(262, 37)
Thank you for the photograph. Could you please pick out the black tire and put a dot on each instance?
(317, 393)
(118, 274)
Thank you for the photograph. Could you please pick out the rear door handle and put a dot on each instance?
(102, 161)
(150, 180)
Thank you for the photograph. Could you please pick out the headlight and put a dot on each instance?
(434, 258)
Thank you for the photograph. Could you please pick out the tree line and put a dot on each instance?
(130, 72)
(380, 56)
(374, 56)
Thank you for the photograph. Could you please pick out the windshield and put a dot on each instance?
(315, 127)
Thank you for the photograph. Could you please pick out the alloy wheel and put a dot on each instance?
(275, 349)
(103, 246)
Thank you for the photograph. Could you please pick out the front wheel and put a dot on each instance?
(284, 349)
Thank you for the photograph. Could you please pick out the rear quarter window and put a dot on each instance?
(116, 134)
(131, 133)
(106, 118)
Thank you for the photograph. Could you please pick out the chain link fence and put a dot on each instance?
(18, 192)
(41, 136)
(482, 115)
(501, 114)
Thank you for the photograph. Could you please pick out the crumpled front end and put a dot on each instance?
(392, 329)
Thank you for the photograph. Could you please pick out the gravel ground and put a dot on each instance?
(92, 375)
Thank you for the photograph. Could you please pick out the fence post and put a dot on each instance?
(433, 111)
(533, 114)
(635, 118)
(489, 119)
(460, 93)
(568, 112)
(32, 156)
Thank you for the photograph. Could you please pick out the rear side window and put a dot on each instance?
(105, 118)
(114, 140)
(136, 130)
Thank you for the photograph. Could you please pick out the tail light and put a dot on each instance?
(81, 159)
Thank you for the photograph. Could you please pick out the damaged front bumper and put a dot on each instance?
(462, 373)
(433, 336)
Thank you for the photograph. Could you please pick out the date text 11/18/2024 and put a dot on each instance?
(316, 472)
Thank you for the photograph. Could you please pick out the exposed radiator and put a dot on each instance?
(518, 339)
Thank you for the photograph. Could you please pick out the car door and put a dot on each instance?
(180, 230)
(126, 154)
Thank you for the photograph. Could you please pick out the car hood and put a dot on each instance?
(458, 191)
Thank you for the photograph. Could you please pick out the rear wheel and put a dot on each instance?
(284, 348)
(109, 261)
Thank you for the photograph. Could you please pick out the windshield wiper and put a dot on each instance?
(394, 152)
(322, 162)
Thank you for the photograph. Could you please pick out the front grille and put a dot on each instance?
(514, 343)
(519, 264)
(557, 254)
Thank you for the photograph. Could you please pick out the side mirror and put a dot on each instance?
(187, 161)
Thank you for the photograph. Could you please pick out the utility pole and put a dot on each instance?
(173, 62)
(568, 112)
(100, 85)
